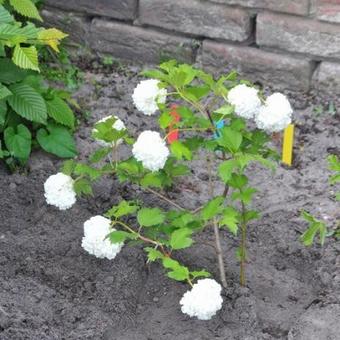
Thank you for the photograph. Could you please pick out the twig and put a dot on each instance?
(165, 198)
(218, 247)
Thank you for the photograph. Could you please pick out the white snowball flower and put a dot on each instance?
(146, 96)
(117, 125)
(95, 231)
(203, 300)
(151, 150)
(246, 101)
(275, 115)
(59, 191)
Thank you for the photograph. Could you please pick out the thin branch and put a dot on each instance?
(165, 198)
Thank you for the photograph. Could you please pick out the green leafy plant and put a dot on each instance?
(31, 112)
(316, 226)
(213, 122)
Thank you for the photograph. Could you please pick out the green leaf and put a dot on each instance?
(10, 73)
(86, 170)
(153, 254)
(152, 179)
(99, 154)
(18, 141)
(26, 8)
(225, 110)
(225, 170)
(230, 219)
(238, 181)
(26, 57)
(230, 139)
(315, 227)
(148, 217)
(68, 167)
(4, 91)
(82, 186)
(201, 273)
(60, 111)
(57, 140)
(3, 112)
(27, 103)
(180, 151)
(165, 119)
(122, 209)
(181, 238)
(119, 236)
(212, 208)
(177, 271)
(5, 16)
(244, 196)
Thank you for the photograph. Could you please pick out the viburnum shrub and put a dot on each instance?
(32, 113)
(227, 120)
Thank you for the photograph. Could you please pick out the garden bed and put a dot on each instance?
(51, 289)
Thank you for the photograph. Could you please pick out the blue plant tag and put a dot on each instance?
(219, 125)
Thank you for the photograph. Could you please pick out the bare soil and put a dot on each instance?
(51, 289)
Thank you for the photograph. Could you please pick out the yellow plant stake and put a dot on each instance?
(288, 142)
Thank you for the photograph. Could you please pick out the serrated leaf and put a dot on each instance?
(100, 154)
(27, 103)
(180, 151)
(57, 140)
(238, 181)
(177, 271)
(245, 196)
(153, 254)
(148, 217)
(200, 273)
(52, 37)
(151, 179)
(86, 170)
(315, 227)
(60, 111)
(119, 236)
(225, 170)
(212, 208)
(122, 209)
(26, 8)
(5, 16)
(68, 167)
(26, 57)
(4, 92)
(82, 187)
(230, 219)
(165, 119)
(18, 141)
(181, 238)
(10, 73)
(230, 139)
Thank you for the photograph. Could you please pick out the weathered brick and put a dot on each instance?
(119, 9)
(300, 35)
(299, 7)
(328, 10)
(326, 78)
(197, 17)
(138, 44)
(76, 25)
(282, 71)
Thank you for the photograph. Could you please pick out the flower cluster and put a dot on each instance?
(203, 300)
(151, 150)
(274, 116)
(59, 191)
(95, 241)
(246, 101)
(147, 95)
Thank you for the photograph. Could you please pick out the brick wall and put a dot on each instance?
(290, 44)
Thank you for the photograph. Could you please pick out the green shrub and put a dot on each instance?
(31, 112)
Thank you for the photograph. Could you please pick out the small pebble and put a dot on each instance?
(155, 299)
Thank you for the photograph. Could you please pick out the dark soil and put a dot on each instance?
(51, 289)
